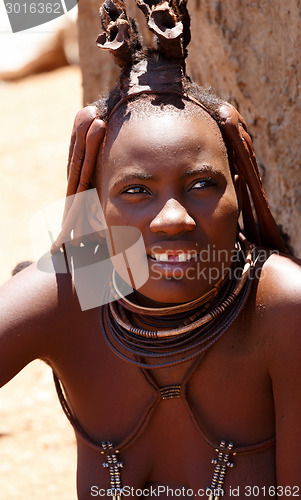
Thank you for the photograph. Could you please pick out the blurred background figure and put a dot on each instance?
(44, 48)
(38, 67)
(60, 50)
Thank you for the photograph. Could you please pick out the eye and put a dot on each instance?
(204, 183)
(135, 190)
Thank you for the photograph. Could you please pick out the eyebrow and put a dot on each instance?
(133, 177)
(142, 176)
(201, 171)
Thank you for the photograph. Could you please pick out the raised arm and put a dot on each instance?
(33, 304)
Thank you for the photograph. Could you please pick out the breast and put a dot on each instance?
(150, 464)
(228, 393)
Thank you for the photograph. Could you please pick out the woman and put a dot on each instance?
(189, 384)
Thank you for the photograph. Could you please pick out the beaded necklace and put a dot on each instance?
(200, 323)
(188, 331)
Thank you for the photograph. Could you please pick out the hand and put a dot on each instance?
(87, 135)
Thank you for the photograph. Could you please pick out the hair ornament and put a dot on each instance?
(144, 69)
(170, 22)
(120, 34)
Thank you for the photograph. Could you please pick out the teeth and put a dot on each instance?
(163, 257)
(180, 257)
(184, 257)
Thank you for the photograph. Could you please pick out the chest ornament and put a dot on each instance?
(221, 463)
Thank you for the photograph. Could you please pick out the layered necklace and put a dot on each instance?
(173, 335)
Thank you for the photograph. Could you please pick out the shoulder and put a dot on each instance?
(36, 291)
(38, 312)
(279, 286)
(280, 281)
(278, 307)
(34, 309)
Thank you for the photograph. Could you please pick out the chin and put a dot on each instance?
(170, 291)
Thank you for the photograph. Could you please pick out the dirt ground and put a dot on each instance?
(37, 444)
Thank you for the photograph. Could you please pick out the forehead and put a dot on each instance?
(162, 125)
(144, 141)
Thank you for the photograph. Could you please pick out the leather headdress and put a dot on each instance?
(162, 70)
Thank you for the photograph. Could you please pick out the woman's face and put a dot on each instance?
(169, 176)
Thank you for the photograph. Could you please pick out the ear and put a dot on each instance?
(85, 219)
(237, 187)
(96, 218)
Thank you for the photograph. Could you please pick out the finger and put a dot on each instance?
(83, 118)
(94, 139)
(71, 149)
(73, 210)
(82, 123)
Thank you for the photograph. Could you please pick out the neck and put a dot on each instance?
(142, 300)
(150, 307)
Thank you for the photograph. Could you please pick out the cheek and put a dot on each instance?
(228, 206)
(224, 220)
(112, 215)
(119, 216)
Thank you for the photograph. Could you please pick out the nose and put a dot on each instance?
(172, 219)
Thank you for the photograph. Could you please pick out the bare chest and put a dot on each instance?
(167, 423)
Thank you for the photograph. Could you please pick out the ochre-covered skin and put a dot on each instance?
(247, 382)
(246, 388)
(169, 177)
